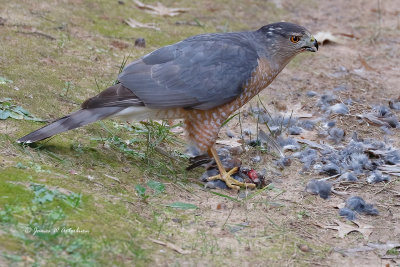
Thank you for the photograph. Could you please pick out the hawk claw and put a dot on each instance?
(231, 182)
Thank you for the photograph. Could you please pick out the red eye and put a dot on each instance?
(294, 39)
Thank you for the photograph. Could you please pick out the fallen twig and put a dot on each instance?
(40, 34)
(171, 246)
(160, 9)
(136, 24)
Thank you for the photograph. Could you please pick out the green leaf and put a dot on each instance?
(5, 80)
(156, 186)
(19, 165)
(32, 118)
(140, 190)
(4, 114)
(16, 116)
(21, 110)
(43, 198)
(182, 206)
(8, 110)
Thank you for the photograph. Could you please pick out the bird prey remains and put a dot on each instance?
(202, 79)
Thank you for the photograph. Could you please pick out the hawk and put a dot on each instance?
(202, 79)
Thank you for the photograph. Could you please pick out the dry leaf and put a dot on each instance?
(136, 24)
(171, 246)
(232, 142)
(344, 228)
(160, 9)
(119, 44)
(326, 37)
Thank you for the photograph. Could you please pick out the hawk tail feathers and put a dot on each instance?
(74, 120)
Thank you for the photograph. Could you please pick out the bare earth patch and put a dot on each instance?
(59, 53)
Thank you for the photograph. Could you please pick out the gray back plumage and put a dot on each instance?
(201, 72)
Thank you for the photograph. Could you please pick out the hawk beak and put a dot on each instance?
(315, 44)
(312, 45)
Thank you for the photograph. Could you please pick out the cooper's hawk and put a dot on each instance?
(202, 79)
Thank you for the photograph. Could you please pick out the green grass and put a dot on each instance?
(121, 182)
(46, 224)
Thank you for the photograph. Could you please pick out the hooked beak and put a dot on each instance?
(312, 45)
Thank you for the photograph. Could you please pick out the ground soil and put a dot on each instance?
(276, 227)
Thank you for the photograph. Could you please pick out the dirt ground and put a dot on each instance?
(280, 225)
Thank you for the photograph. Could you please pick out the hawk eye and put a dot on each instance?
(294, 39)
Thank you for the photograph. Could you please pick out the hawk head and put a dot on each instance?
(281, 41)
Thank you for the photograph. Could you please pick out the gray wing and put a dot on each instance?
(200, 72)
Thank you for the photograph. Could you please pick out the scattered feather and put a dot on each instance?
(377, 177)
(382, 249)
(308, 157)
(331, 169)
(307, 124)
(386, 130)
(288, 144)
(271, 142)
(283, 162)
(256, 159)
(336, 134)
(230, 134)
(392, 121)
(358, 205)
(330, 124)
(382, 111)
(340, 88)
(317, 187)
(140, 42)
(348, 177)
(348, 213)
(339, 108)
(216, 184)
(294, 130)
(326, 100)
(392, 157)
(395, 104)
(358, 162)
(390, 169)
(311, 93)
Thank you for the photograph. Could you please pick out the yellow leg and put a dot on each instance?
(226, 176)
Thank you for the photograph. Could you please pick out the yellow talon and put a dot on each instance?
(227, 176)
